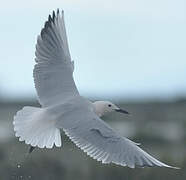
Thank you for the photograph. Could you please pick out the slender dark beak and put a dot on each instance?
(122, 111)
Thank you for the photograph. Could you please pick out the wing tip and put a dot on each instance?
(172, 167)
(51, 19)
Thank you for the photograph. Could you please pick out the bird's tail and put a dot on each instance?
(34, 126)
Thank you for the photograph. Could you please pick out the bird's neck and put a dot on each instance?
(99, 108)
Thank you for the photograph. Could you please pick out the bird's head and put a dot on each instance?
(104, 107)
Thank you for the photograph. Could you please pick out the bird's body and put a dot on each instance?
(62, 107)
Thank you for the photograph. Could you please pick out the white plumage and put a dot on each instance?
(63, 108)
(35, 127)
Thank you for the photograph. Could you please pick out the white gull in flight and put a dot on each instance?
(62, 107)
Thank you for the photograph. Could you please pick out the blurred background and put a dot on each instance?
(130, 52)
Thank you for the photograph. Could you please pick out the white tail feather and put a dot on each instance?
(35, 127)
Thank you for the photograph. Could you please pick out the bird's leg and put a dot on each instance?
(31, 149)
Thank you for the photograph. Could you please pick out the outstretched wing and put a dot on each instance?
(99, 141)
(53, 72)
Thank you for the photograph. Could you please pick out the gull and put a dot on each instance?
(62, 107)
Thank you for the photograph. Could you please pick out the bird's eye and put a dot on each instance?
(109, 105)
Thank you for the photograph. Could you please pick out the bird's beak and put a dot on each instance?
(122, 111)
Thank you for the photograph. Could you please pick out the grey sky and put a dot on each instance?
(120, 48)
